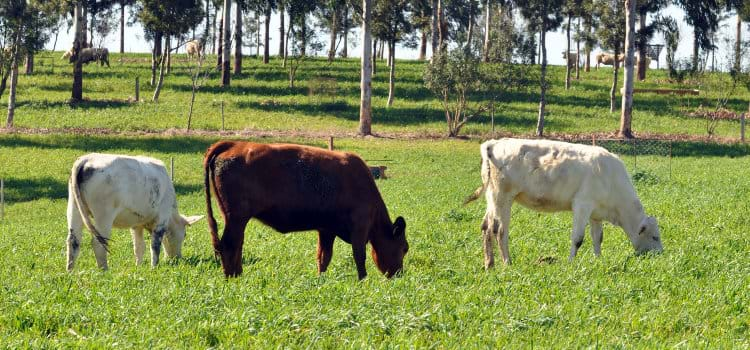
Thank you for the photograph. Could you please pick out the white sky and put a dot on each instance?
(134, 41)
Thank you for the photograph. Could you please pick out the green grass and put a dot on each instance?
(694, 295)
(260, 99)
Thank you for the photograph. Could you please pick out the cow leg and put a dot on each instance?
(596, 236)
(157, 236)
(231, 246)
(502, 229)
(103, 224)
(75, 230)
(139, 244)
(487, 240)
(325, 250)
(581, 215)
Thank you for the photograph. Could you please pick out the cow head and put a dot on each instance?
(389, 249)
(648, 238)
(175, 234)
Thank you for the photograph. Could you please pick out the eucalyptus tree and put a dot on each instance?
(548, 15)
(702, 15)
(392, 24)
(626, 112)
(170, 18)
(646, 31)
(572, 8)
(365, 106)
(611, 36)
(742, 9)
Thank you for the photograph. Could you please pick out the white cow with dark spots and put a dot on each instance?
(107, 190)
(551, 176)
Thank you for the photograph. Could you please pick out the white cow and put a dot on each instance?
(553, 176)
(124, 192)
(193, 48)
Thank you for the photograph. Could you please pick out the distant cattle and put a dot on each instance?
(551, 176)
(298, 188)
(572, 58)
(124, 192)
(194, 49)
(89, 55)
(608, 59)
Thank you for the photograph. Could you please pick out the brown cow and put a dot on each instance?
(299, 188)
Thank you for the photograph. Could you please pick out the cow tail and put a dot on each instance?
(478, 192)
(83, 208)
(208, 175)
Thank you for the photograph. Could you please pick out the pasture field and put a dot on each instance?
(260, 100)
(694, 295)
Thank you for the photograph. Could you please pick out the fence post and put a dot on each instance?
(171, 168)
(330, 143)
(593, 139)
(742, 127)
(137, 89)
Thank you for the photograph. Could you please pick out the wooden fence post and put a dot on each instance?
(171, 168)
(137, 89)
(330, 143)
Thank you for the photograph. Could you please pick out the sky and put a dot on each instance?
(134, 41)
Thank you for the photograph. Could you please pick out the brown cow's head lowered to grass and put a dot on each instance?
(298, 188)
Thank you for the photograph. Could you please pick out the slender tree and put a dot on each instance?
(547, 13)
(79, 42)
(226, 43)
(365, 108)
(646, 31)
(487, 31)
(742, 9)
(702, 15)
(282, 41)
(611, 36)
(391, 23)
(626, 112)
(573, 8)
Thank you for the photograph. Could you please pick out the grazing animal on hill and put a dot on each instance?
(193, 48)
(572, 58)
(552, 176)
(89, 55)
(125, 192)
(608, 59)
(299, 188)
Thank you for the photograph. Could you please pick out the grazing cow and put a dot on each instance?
(572, 58)
(193, 48)
(551, 176)
(608, 59)
(299, 188)
(125, 192)
(89, 55)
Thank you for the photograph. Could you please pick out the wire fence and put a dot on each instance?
(641, 156)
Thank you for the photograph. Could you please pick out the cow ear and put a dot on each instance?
(399, 226)
(189, 220)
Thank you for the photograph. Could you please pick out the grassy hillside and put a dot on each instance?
(694, 295)
(260, 99)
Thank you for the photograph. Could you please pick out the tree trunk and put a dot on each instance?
(434, 28)
(286, 47)
(345, 33)
(392, 75)
(567, 55)
(266, 35)
(374, 55)
(4, 81)
(626, 113)
(162, 70)
(441, 26)
(122, 26)
(334, 35)
(641, 49)
(155, 57)
(613, 90)
(78, 43)
(470, 32)
(215, 46)
(738, 45)
(238, 39)
(365, 109)
(29, 64)
(578, 50)
(226, 43)
(381, 49)
(168, 52)
(282, 42)
(206, 31)
(13, 83)
(422, 46)
(695, 52)
(543, 84)
(257, 34)
(487, 30)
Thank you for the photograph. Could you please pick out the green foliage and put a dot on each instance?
(170, 17)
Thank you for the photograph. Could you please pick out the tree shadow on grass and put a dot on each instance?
(19, 190)
(86, 104)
